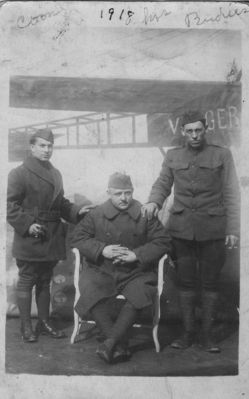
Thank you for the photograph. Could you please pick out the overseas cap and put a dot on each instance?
(120, 181)
(193, 116)
(45, 134)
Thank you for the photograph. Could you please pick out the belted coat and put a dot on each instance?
(35, 195)
(106, 225)
(206, 192)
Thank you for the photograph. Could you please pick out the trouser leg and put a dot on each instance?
(209, 301)
(44, 326)
(25, 285)
(212, 259)
(42, 293)
(125, 320)
(187, 306)
(101, 315)
(186, 266)
(115, 333)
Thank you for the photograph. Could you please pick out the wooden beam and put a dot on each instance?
(111, 95)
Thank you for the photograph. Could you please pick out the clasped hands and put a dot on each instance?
(119, 254)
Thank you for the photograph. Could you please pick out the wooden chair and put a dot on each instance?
(157, 308)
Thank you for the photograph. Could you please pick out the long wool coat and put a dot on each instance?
(100, 278)
(206, 192)
(35, 195)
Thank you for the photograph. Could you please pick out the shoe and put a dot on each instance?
(105, 353)
(43, 327)
(28, 335)
(209, 346)
(183, 342)
(121, 354)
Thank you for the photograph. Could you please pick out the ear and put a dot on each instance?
(182, 131)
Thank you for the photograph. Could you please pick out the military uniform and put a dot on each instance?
(205, 210)
(206, 192)
(100, 278)
(35, 197)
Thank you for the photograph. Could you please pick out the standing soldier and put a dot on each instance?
(35, 206)
(203, 220)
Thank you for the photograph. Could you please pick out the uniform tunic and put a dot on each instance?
(206, 192)
(35, 195)
(100, 278)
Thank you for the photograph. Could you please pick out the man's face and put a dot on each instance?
(42, 149)
(194, 134)
(121, 198)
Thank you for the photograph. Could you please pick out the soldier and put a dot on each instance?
(122, 250)
(35, 206)
(203, 219)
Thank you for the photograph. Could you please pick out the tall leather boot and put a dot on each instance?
(209, 300)
(24, 299)
(112, 350)
(187, 306)
(44, 326)
(101, 315)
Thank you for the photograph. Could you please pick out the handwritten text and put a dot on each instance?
(193, 18)
(151, 17)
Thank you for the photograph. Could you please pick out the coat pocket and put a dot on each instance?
(217, 211)
(216, 164)
(176, 209)
(179, 165)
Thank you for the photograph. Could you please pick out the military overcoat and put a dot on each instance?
(106, 225)
(206, 192)
(35, 195)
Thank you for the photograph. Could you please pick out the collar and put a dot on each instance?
(43, 170)
(198, 150)
(111, 212)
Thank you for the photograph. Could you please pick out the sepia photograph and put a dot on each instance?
(124, 190)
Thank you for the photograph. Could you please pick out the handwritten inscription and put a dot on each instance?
(25, 22)
(125, 15)
(194, 18)
(191, 19)
(153, 16)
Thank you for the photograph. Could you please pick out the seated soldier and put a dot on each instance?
(122, 250)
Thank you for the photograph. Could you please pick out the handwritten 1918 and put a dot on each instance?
(111, 13)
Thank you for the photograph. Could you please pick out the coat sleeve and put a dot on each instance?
(69, 211)
(16, 215)
(84, 239)
(231, 195)
(161, 189)
(158, 243)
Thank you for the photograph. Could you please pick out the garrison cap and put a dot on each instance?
(45, 134)
(120, 181)
(193, 116)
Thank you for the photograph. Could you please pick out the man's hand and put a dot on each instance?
(231, 241)
(150, 210)
(128, 257)
(114, 251)
(36, 230)
(85, 209)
